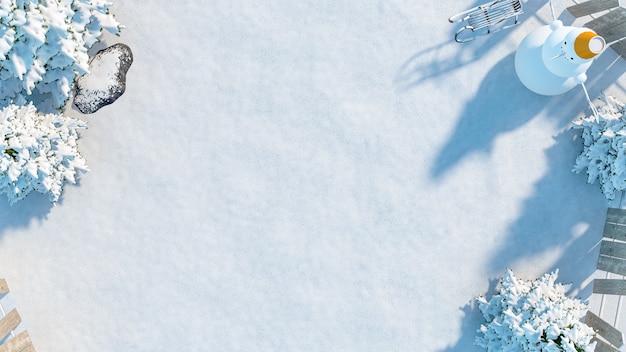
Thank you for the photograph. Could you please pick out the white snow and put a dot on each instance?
(307, 176)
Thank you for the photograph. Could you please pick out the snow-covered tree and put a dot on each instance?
(43, 46)
(533, 315)
(37, 152)
(604, 147)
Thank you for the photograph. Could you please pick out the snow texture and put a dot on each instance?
(307, 176)
(106, 80)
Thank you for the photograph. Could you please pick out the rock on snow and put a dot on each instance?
(106, 80)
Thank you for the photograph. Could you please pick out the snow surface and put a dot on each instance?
(307, 176)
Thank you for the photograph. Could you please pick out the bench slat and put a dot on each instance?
(620, 48)
(614, 33)
(602, 346)
(609, 286)
(20, 343)
(4, 288)
(604, 22)
(613, 249)
(616, 215)
(591, 7)
(614, 231)
(612, 265)
(604, 329)
(9, 323)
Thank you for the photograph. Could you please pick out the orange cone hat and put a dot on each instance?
(588, 44)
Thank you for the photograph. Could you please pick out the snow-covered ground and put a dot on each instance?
(307, 176)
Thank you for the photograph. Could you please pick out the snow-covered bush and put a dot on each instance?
(37, 152)
(604, 147)
(43, 46)
(533, 315)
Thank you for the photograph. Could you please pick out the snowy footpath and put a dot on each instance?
(307, 176)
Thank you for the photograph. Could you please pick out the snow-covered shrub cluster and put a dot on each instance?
(533, 315)
(37, 152)
(604, 147)
(43, 46)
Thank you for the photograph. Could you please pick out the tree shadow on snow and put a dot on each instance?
(564, 214)
(472, 318)
(34, 207)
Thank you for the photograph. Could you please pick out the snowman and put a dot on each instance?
(553, 59)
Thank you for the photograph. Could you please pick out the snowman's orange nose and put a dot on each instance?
(588, 44)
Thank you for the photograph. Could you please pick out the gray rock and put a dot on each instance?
(106, 80)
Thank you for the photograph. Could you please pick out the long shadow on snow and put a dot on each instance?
(429, 63)
(502, 104)
(472, 318)
(564, 214)
(34, 207)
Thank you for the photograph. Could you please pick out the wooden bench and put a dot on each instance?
(610, 25)
(9, 340)
(612, 259)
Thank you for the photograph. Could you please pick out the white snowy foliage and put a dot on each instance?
(604, 147)
(44, 43)
(38, 152)
(533, 315)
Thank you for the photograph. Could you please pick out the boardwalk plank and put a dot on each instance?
(612, 265)
(20, 343)
(4, 288)
(9, 323)
(615, 231)
(591, 7)
(616, 215)
(613, 249)
(602, 346)
(614, 33)
(604, 329)
(620, 48)
(612, 27)
(609, 286)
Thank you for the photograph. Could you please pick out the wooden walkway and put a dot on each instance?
(610, 24)
(9, 340)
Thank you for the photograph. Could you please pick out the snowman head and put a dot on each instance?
(581, 45)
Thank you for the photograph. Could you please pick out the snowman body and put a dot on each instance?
(553, 59)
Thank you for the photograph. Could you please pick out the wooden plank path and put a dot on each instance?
(593, 6)
(9, 341)
(604, 329)
(612, 259)
(611, 26)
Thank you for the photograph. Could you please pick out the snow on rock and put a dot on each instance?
(106, 80)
